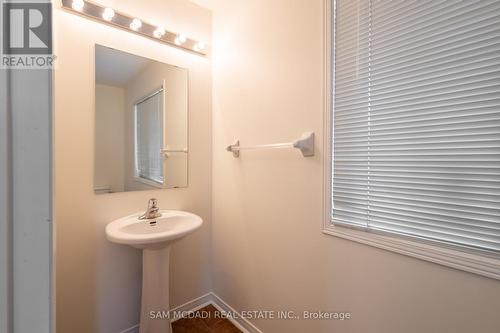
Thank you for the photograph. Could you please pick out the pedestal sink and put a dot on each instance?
(154, 237)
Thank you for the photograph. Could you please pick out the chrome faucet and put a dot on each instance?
(152, 211)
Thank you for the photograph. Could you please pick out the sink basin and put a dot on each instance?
(152, 233)
(154, 237)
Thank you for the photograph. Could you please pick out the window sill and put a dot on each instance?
(148, 182)
(484, 265)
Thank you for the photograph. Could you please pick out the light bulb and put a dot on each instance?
(159, 32)
(181, 39)
(78, 5)
(135, 24)
(108, 14)
(199, 46)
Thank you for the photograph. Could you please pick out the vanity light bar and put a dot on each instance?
(135, 25)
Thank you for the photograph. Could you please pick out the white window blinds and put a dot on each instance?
(416, 119)
(149, 138)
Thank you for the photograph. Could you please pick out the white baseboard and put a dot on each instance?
(242, 324)
(193, 305)
(133, 329)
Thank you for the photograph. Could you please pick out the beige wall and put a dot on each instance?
(98, 283)
(109, 132)
(269, 252)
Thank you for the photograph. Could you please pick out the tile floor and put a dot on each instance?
(212, 324)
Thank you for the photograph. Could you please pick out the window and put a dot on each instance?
(416, 120)
(149, 138)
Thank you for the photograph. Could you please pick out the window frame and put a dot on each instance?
(137, 177)
(469, 260)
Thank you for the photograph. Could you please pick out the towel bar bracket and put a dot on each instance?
(234, 148)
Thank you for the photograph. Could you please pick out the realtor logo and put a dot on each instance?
(27, 35)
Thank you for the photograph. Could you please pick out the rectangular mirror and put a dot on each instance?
(141, 123)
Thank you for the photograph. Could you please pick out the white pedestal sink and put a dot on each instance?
(154, 237)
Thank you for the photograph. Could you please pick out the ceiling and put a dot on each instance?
(116, 68)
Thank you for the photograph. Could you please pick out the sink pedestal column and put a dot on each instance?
(155, 283)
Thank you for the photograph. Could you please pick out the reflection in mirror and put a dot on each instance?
(141, 123)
